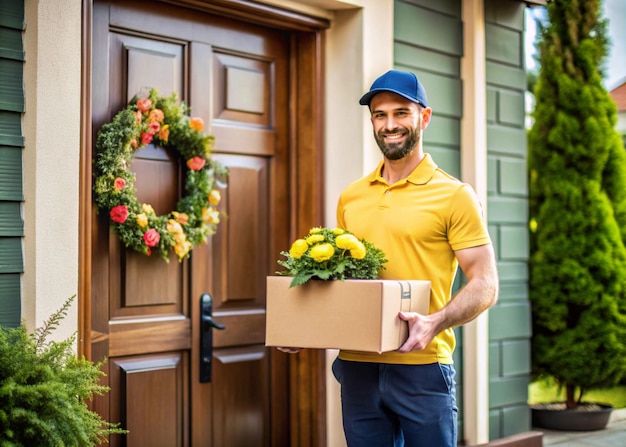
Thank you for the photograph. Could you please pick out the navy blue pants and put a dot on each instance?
(386, 405)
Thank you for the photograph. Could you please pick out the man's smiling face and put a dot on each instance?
(397, 124)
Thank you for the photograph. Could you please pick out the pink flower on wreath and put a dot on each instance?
(196, 163)
(144, 105)
(138, 116)
(154, 127)
(146, 138)
(120, 184)
(151, 237)
(119, 214)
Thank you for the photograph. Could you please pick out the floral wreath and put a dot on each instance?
(163, 122)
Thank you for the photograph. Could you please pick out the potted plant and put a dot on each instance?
(44, 390)
(577, 219)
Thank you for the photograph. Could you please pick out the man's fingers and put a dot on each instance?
(289, 350)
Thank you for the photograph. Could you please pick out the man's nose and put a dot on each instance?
(390, 123)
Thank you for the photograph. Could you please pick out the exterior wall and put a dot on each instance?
(11, 151)
(509, 320)
(51, 122)
(361, 44)
(39, 154)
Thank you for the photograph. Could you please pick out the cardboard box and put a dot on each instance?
(359, 315)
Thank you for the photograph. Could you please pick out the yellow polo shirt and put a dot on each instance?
(418, 222)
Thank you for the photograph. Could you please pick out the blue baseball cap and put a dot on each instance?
(401, 83)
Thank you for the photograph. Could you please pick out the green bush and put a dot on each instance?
(44, 390)
(577, 208)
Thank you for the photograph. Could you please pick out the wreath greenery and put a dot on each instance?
(164, 122)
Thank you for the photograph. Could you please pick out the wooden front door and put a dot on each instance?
(145, 314)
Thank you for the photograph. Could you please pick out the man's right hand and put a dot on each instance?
(290, 350)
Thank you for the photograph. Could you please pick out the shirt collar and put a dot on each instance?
(420, 175)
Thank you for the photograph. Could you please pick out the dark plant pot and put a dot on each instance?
(588, 417)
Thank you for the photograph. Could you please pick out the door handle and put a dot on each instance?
(207, 324)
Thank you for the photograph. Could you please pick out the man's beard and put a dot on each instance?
(396, 151)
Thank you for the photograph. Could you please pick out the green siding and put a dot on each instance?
(442, 63)
(11, 168)
(503, 45)
(441, 32)
(511, 110)
(507, 210)
(513, 176)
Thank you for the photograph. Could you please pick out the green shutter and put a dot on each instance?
(11, 171)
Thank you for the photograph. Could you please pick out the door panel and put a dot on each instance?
(241, 248)
(242, 119)
(235, 76)
(151, 398)
(243, 398)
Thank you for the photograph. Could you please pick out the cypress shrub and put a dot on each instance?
(577, 181)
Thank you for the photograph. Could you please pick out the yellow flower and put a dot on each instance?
(180, 237)
(142, 220)
(337, 231)
(174, 227)
(315, 230)
(210, 216)
(346, 241)
(181, 218)
(196, 123)
(147, 208)
(298, 248)
(164, 133)
(322, 252)
(214, 197)
(314, 238)
(181, 249)
(359, 251)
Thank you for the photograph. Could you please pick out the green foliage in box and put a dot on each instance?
(44, 390)
(577, 208)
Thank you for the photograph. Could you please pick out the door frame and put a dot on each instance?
(306, 371)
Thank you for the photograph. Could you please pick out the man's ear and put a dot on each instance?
(427, 114)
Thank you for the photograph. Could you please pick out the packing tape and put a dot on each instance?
(406, 297)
